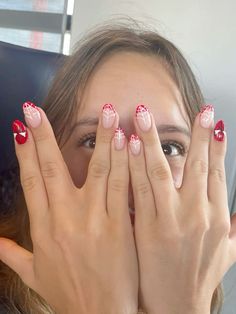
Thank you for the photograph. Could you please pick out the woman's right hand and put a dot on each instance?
(84, 258)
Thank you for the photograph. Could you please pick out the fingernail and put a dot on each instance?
(119, 138)
(143, 117)
(207, 116)
(32, 114)
(135, 144)
(219, 131)
(108, 116)
(19, 131)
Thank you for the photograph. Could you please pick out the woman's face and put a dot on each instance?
(126, 79)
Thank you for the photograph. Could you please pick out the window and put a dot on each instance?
(39, 24)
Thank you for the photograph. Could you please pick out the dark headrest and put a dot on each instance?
(25, 74)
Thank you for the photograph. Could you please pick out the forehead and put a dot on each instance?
(126, 79)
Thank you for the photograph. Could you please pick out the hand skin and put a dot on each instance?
(184, 237)
(84, 258)
(182, 254)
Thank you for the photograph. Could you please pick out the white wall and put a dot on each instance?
(205, 30)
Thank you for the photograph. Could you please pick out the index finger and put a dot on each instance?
(53, 169)
(157, 166)
(30, 176)
(100, 163)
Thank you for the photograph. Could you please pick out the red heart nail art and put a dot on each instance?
(219, 131)
(20, 131)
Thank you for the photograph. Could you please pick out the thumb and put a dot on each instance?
(18, 259)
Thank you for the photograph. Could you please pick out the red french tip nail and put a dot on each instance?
(27, 104)
(20, 131)
(206, 107)
(141, 108)
(219, 131)
(108, 107)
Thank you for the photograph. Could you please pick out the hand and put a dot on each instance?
(184, 238)
(84, 258)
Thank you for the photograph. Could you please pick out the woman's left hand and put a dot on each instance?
(185, 238)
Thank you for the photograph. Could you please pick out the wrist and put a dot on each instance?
(169, 308)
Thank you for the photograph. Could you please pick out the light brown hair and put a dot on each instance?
(61, 106)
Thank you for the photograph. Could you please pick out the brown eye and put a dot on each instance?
(90, 143)
(87, 141)
(173, 149)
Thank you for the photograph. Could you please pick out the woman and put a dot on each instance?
(121, 86)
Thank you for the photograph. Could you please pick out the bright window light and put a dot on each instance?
(66, 44)
(70, 7)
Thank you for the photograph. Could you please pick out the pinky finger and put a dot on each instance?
(217, 188)
(18, 259)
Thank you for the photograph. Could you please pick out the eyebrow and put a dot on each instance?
(163, 128)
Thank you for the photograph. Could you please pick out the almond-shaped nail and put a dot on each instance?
(219, 131)
(119, 138)
(32, 114)
(20, 131)
(108, 116)
(207, 116)
(135, 144)
(143, 117)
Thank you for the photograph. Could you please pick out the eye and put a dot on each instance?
(172, 149)
(88, 141)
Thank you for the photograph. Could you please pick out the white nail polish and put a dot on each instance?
(135, 144)
(119, 138)
(32, 114)
(207, 116)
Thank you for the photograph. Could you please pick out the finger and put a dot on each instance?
(217, 188)
(30, 175)
(18, 259)
(196, 166)
(145, 208)
(54, 171)
(99, 166)
(157, 166)
(118, 180)
(232, 237)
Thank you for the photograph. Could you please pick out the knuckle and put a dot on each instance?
(219, 152)
(41, 137)
(204, 138)
(29, 182)
(222, 228)
(201, 227)
(137, 167)
(98, 169)
(104, 138)
(218, 174)
(151, 141)
(118, 185)
(120, 163)
(199, 166)
(159, 172)
(142, 188)
(63, 235)
(198, 225)
(49, 169)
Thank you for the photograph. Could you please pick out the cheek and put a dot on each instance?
(177, 171)
(78, 167)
